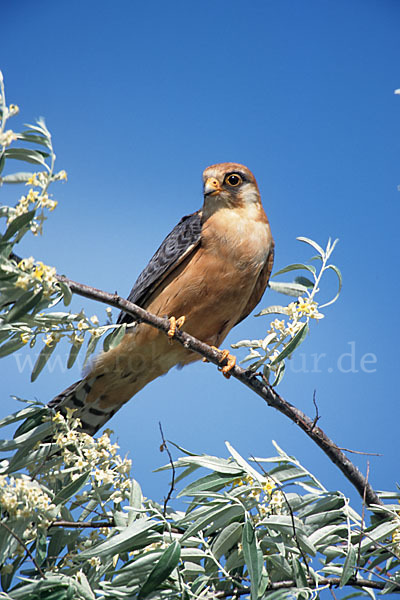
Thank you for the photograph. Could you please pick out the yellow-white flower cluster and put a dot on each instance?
(7, 138)
(269, 499)
(34, 200)
(396, 539)
(82, 453)
(396, 535)
(304, 307)
(22, 498)
(280, 330)
(42, 179)
(35, 273)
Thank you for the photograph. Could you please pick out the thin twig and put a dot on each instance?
(261, 388)
(280, 488)
(377, 544)
(25, 547)
(82, 524)
(317, 417)
(164, 446)
(332, 592)
(322, 581)
(359, 452)
(362, 519)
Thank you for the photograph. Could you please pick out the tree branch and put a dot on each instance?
(25, 547)
(82, 524)
(261, 388)
(322, 581)
(164, 446)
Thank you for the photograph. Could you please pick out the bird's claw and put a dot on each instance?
(174, 324)
(225, 356)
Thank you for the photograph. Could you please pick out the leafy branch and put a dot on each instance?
(74, 521)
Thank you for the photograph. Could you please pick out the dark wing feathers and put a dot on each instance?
(176, 246)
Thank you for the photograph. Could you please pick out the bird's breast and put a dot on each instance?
(239, 237)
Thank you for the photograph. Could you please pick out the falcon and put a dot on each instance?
(206, 277)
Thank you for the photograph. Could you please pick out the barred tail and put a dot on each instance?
(75, 396)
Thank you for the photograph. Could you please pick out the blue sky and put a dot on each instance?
(140, 98)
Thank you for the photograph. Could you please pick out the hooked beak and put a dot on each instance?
(212, 187)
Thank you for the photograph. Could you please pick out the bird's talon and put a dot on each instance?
(230, 361)
(174, 324)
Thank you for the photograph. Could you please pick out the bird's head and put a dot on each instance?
(229, 185)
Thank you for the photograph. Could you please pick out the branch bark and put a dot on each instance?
(261, 388)
(322, 581)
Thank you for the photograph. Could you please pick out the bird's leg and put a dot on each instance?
(174, 324)
(225, 356)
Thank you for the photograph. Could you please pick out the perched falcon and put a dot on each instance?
(210, 271)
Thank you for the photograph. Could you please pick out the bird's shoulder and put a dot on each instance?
(184, 237)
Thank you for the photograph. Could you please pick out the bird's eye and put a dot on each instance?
(233, 179)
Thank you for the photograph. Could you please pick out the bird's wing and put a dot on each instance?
(177, 245)
(260, 286)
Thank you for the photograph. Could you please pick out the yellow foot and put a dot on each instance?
(174, 324)
(230, 361)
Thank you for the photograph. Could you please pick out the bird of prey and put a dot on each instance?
(209, 272)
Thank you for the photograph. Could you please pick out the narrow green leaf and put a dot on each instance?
(31, 156)
(298, 573)
(213, 463)
(21, 177)
(18, 416)
(124, 541)
(229, 514)
(91, 347)
(378, 533)
(243, 463)
(15, 343)
(42, 359)
(32, 421)
(249, 543)
(339, 275)
(162, 570)
(40, 127)
(27, 456)
(66, 292)
(282, 567)
(296, 267)
(24, 304)
(288, 288)
(330, 533)
(36, 434)
(228, 537)
(41, 546)
(279, 374)
(135, 501)
(2, 163)
(71, 489)
(211, 483)
(114, 338)
(35, 139)
(313, 244)
(304, 281)
(212, 515)
(273, 310)
(73, 353)
(349, 566)
(18, 223)
(58, 540)
(292, 345)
